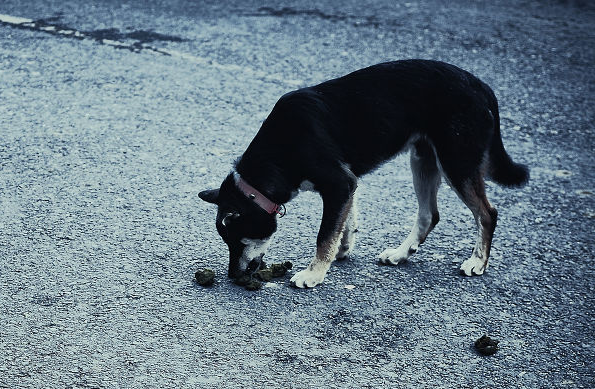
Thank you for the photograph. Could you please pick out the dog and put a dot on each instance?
(324, 137)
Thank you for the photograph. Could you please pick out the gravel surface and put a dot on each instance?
(103, 151)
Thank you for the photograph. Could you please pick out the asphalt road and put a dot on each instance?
(108, 132)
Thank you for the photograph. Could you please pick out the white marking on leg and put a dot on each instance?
(316, 271)
(474, 266)
(311, 276)
(426, 180)
(478, 262)
(404, 251)
(485, 219)
(325, 254)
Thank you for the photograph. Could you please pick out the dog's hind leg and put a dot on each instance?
(348, 237)
(462, 148)
(473, 195)
(426, 180)
(464, 165)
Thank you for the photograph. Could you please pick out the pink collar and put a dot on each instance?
(261, 200)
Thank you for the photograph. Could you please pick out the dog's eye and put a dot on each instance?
(228, 218)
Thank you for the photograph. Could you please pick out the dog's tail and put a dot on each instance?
(502, 169)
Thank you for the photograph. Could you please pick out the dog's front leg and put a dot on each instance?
(348, 238)
(334, 217)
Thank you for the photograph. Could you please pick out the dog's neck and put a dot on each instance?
(266, 166)
(270, 182)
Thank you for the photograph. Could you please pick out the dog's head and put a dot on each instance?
(244, 226)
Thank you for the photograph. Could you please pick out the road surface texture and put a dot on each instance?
(114, 115)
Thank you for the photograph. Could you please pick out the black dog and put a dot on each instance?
(326, 136)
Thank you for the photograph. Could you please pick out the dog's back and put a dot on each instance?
(368, 116)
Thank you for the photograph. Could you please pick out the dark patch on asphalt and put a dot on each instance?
(343, 325)
(469, 41)
(316, 13)
(141, 36)
(134, 41)
(288, 11)
(45, 300)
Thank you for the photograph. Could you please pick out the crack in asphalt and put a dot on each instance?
(110, 37)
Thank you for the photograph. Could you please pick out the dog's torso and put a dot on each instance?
(364, 119)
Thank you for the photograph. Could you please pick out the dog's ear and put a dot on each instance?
(210, 196)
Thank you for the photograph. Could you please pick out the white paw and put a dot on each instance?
(347, 243)
(344, 250)
(474, 266)
(307, 278)
(396, 256)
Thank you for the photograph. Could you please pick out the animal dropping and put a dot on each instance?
(205, 277)
(486, 345)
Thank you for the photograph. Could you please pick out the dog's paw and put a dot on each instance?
(396, 256)
(347, 244)
(474, 266)
(307, 278)
(343, 252)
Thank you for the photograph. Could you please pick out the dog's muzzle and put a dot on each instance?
(252, 266)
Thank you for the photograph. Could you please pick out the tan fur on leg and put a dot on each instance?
(325, 254)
